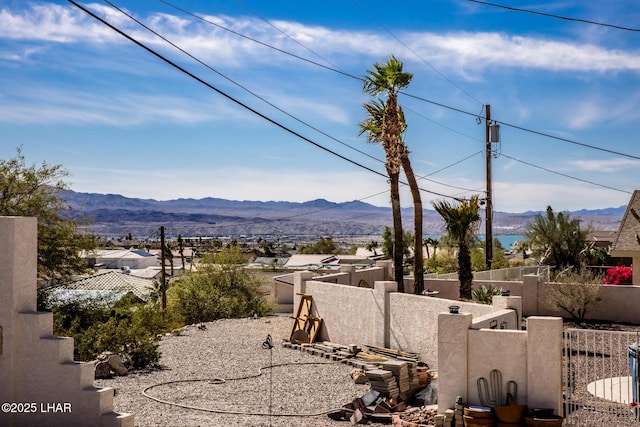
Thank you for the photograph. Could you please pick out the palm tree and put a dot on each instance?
(558, 239)
(460, 219)
(385, 125)
(430, 241)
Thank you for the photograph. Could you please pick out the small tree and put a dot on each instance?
(38, 192)
(574, 292)
(221, 288)
(322, 246)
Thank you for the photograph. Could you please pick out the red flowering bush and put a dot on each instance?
(619, 276)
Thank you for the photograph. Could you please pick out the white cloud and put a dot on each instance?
(53, 105)
(455, 51)
(521, 197)
(609, 165)
(480, 50)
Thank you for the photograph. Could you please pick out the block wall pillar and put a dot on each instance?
(453, 350)
(299, 287)
(18, 276)
(544, 363)
(530, 294)
(382, 289)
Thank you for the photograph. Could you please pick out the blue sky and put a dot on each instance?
(120, 120)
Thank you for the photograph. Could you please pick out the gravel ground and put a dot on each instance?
(194, 364)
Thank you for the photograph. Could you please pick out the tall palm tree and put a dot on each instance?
(461, 219)
(372, 126)
(374, 129)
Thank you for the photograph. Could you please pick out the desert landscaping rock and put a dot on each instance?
(224, 371)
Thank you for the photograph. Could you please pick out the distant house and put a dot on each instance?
(627, 243)
(108, 286)
(274, 263)
(324, 261)
(121, 259)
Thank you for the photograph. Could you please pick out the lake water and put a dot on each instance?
(507, 240)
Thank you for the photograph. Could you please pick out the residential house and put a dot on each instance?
(107, 286)
(121, 259)
(627, 243)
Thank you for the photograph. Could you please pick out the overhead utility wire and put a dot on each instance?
(259, 42)
(236, 101)
(593, 147)
(240, 85)
(331, 69)
(278, 124)
(269, 103)
(320, 131)
(419, 98)
(586, 21)
(224, 94)
(565, 175)
(364, 11)
(285, 34)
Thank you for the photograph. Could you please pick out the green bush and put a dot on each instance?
(128, 327)
(441, 263)
(485, 293)
(220, 288)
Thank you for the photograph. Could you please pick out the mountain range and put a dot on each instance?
(116, 215)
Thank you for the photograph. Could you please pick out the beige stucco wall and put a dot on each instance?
(531, 358)
(618, 303)
(503, 350)
(414, 322)
(35, 366)
(351, 314)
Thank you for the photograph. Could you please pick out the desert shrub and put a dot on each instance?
(442, 263)
(127, 327)
(575, 292)
(221, 288)
(620, 275)
(485, 293)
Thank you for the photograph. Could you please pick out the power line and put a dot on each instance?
(550, 15)
(260, 42)
(565, 175)
(419, 98)
(364, 11)
(236, 101)
(593, 147)
(240, 85)
(269, 103)
(224, 94)
(285, 34)
(316, 144)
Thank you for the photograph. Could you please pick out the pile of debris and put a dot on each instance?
(403, 390)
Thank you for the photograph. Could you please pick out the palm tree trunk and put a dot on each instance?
(465, 273)
(418, 258)
(398, 238)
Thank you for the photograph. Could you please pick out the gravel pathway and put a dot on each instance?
(195, 363)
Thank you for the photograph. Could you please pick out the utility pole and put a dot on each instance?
(489, 203)
(163, 275)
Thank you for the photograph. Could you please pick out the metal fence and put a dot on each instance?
(513, 274)
(600, 378)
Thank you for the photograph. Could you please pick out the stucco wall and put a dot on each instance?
(618, 303)
(503, 350)
(414, 322)
(350, 314)
(35, 366)
(382, 316)
(531, 358)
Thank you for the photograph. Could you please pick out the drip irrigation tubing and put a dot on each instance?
(215, 381)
